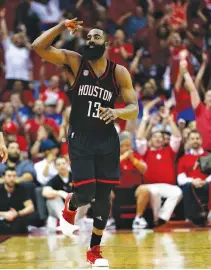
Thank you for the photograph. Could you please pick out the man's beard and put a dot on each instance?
(93, 52)
(14, 159)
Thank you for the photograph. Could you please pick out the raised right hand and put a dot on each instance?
(73, 25)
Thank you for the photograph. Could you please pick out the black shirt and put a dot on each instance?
(57, 183)
(13, 200)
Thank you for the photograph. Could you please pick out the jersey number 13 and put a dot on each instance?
(93, 110)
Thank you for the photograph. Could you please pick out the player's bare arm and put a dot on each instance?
(42, 46)
(189, 84)
(129, 97)
(3, 149)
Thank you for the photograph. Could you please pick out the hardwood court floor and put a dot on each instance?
(122, 249)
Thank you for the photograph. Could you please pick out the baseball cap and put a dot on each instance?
(47, 145)
(10, 127)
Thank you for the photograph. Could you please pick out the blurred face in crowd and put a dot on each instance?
(119, 37)
(53, 151)
(207, 99)
(7, 109)
(14, 152)
(39, 107)
(54, 82)
(18, 40)
(148, 90)
(18, 86)
(157, 140)
(62, 166)
(195, 140)
(150, 21)
(16, 100)
(10, 178)
(95, 45)
(125, 146)
(139, 12)
(176, 40)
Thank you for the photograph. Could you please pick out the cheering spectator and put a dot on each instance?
(202, 110)
(16, 210)
(45, 168)
(33, 124)
(160, 175)
(194, 183)
(17, 55)
(120, 52)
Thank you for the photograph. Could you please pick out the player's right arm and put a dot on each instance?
(189, 84)
(42, 45)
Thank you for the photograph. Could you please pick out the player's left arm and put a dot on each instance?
(129, 97)
(3, 149)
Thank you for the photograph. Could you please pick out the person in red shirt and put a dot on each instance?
(132, 167)
(194, 183)
(202, 110)
(32, 125)
(160, 177)
(178, 52)
(120, 51)
(11, 135)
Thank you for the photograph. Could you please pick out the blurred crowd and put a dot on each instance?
(166, 46)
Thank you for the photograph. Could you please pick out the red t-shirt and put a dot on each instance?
(47, 93)
(129, 175)
(160, 166)
(174, 63)
(115, 55)
(31, 127)
(178, 15)
(182, 99)
(203, 122)
(186, 164)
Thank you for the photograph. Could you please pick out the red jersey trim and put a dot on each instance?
(115, 182)
(84, 182)
(114, 79)
(78, 75)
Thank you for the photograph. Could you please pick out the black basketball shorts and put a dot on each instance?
(94, 157)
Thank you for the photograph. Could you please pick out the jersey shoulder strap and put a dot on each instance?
(78, 74)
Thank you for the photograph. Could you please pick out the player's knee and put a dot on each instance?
(83, 195)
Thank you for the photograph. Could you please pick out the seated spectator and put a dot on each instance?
(160, 176)
(194, 184)
(18, 64)
(11, 133)
(132, 167)
(32, 125)
(44, 132)
(24, 168)
(16, 208)
(46, 168)
(56, 191)
(21, 112)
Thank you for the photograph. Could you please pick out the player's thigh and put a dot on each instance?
(107, 168)
(83, 171)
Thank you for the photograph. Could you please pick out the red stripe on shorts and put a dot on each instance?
(115, 182)
(84, 182)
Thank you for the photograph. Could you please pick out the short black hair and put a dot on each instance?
(9, 169)
(194, 131)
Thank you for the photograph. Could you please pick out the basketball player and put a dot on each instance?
(3, 149)
(92, 138)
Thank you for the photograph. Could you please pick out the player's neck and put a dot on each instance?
(98, 64)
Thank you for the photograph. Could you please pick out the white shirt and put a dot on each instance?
(49, 13)
(39, 168)
(17, 61)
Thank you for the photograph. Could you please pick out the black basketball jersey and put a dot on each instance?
(88, 93)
